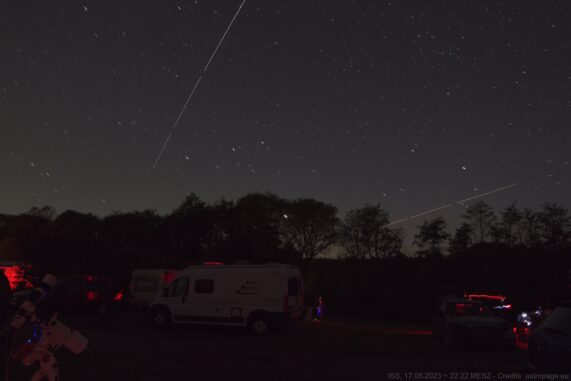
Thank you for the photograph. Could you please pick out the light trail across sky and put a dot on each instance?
(461, 202)
(487, 193)
(196, 85)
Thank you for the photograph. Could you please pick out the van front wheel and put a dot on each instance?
(259, 324)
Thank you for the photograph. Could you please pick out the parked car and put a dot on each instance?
(549, 347)
(256, 296)
(498, 303)
(85, 293)
(469, 322)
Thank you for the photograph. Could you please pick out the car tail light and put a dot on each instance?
(119, 296)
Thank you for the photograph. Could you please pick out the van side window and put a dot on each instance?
(178, 287)
(204, 286)
(293, 286)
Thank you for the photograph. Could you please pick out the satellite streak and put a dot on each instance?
(430, 211)
(461, 202)
(419, 214)
(398, 221)
(224, 36)
(196, 85)
(186, 103)
(162, 149)
(487, 193)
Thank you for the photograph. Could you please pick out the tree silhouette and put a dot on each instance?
(510, 225)
(190, 228)
(431, 236)
(529, 226)
(257, 218)
(462, 239)
(309, 226)
(393, 241)
(27, 238)
(224, 232)
(76, 241)
(364, 233)
(481, 217)
(555, 225)
(46, 212)
(129, 241)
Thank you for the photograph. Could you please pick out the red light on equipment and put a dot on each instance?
(15, 276)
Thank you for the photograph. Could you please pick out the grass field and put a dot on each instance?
(125, 347)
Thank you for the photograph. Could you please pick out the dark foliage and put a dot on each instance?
(528, 259)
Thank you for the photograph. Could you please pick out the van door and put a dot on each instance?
(175, 296)
(205, 303)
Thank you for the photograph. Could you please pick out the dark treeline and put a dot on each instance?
(524, 253)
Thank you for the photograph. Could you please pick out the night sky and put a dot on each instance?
(414, 104)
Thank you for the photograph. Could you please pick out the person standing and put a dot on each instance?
(319, 310)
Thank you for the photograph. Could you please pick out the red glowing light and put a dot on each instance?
(485, 296)
(169, 276)
(92, 295)
(15, 276)
(119, 296)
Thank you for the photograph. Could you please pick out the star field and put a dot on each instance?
(413, 104)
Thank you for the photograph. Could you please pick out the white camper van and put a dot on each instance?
(147, 284)
(257, 296)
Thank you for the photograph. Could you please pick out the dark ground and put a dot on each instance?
(125, 347)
